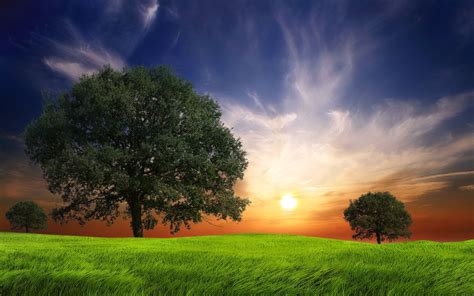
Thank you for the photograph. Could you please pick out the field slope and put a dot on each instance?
(231, 265)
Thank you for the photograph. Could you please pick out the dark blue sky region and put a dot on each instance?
(330, 98)
(408, 49)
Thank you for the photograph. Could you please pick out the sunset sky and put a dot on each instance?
(331, 99)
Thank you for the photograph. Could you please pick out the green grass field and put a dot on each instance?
(231, 265)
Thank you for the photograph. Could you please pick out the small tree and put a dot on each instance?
(379, 214)
(28, 215)
(141, 138)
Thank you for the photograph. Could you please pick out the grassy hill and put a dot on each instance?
(231, 264)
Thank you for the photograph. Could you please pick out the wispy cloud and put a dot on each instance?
(148, 12)
(467, 187)
(292, 151)
(312, 143)
(80, 53)
(74, 61)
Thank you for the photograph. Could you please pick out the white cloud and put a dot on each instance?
(289, 151)
(74, 61)
(72, 70)
(149, 12)
(309, 145)
(77, 55)
(340, 120)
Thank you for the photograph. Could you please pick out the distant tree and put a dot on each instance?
(142, 138)
(27, 215)
(378, 214)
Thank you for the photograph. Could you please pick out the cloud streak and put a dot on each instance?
(149, 13)
(73, 62)
(77, 55)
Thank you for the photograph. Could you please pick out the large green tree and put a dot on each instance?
(141, 137)
(378, 214)
(27, 215)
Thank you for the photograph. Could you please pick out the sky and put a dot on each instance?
(331, 99)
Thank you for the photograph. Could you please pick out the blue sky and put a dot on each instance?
(400, 49)
(330, 98)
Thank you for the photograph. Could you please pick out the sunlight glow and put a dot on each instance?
(288, 202)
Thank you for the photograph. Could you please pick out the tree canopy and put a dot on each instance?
(378, 214)
(27, 215)
(141, 138)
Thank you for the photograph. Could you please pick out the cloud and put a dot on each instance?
(340, 120)
(467, 187)
(311, 143)
(149, 13)
(78, 53)
(447, 175)
(256, 100)
(317, 73)
(114, 6)
(464, 21)
(175, 40)
(75, 61)
(291, 151)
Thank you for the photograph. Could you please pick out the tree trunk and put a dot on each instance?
(379, 238)
(137, 226)
(27, 229)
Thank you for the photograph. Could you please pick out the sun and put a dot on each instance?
(288, 202)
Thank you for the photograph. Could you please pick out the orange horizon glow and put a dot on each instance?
(319, 216)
